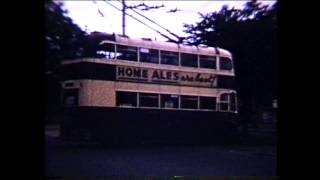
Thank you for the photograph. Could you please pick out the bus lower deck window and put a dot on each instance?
(126, 99)
(228, 102)
(70, 97)
(233, 107)
(224, 102)
(148, 100)
(169, 101)
(189, 102)
(224, 106)
(224, 97)
(208, 103)
(233, 102)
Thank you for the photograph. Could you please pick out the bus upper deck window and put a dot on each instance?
(208, 62)
(225, 63)
(149, 55)
(128, 53)
(168, 57)
(190, 60)
(106, 50)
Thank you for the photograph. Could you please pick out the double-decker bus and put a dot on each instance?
(143, 91)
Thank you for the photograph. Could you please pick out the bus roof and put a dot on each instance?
(168, 46)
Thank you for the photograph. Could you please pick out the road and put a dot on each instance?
(72, 160)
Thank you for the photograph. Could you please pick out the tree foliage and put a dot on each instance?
(144, 7)
(63, 38)
(250, 35)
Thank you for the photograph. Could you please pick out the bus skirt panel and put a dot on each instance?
(148, 126)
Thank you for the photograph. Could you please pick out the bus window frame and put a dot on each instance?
(189, 54)
(137, 50)
(231, 62)
(149, 107)
(63, 96)
(224, 101)
(122, 106)
(103, 44)
(178, 58)
(215, 105)
(159, 97)
(228, 101)
(150, 49)
(161, 101)
(216, 61)
(160, 52)
(197, 108)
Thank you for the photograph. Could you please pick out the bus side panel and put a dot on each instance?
(148, 126)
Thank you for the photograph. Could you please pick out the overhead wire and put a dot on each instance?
(173, 34)
(143, 23)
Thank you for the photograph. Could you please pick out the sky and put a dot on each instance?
(99, 16)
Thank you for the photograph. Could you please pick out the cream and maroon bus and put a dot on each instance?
(143, 91)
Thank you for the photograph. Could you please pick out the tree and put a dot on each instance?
(64, 40)
(250, 34)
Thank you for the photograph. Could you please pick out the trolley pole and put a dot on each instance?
(123, 17)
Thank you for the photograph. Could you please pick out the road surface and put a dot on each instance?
(65, 159)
